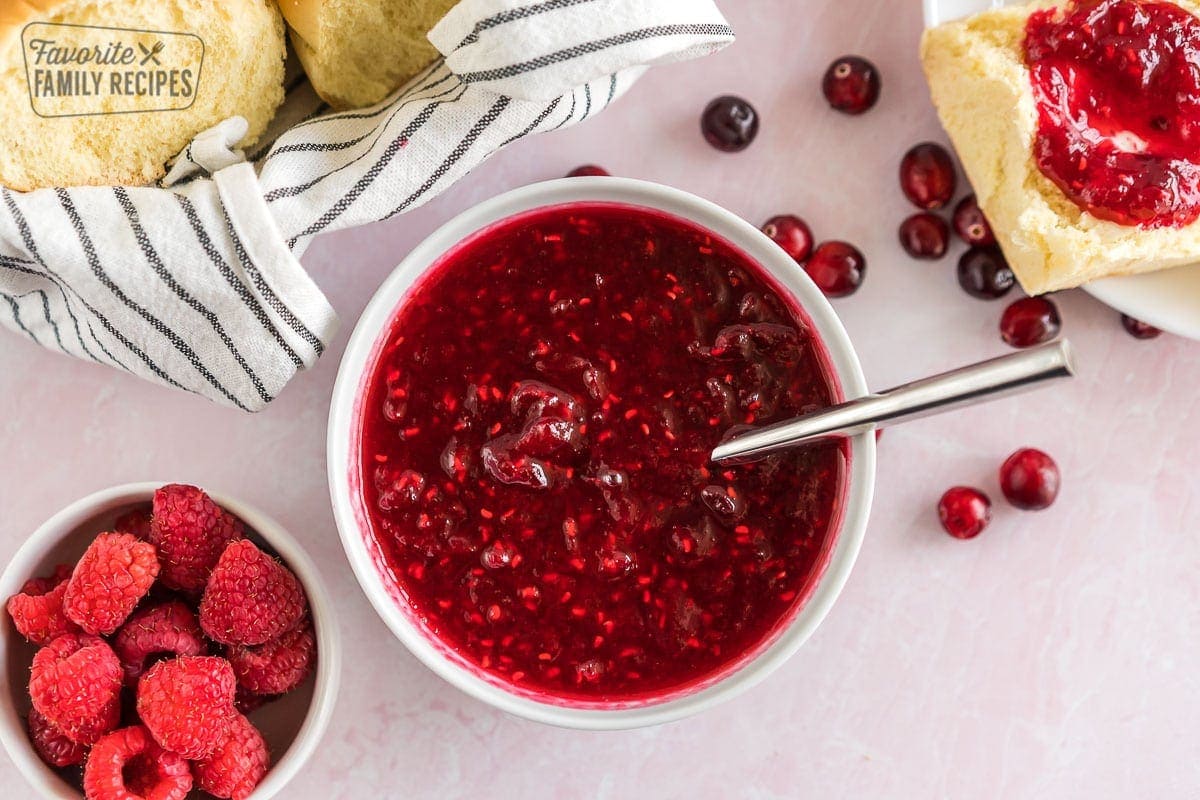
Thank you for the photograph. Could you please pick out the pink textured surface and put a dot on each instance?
(1054, 656)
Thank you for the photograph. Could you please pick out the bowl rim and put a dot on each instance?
(329, 661)
(360, 351)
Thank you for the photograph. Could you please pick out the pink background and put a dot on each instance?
(1055, 656)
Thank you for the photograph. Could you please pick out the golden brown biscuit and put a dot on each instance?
(357, 52)
(107, 91)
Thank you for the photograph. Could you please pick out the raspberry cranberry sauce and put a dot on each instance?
(535, 461)
(1117, 87)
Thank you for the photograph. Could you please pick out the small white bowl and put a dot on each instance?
(344, 447)
(292, 725)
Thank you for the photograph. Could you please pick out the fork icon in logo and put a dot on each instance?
(151, 54)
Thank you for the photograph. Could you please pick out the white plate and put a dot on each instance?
(1169, 299)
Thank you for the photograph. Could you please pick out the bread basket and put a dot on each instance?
(196, 283)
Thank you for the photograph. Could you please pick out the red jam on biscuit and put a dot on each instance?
(1117, 87)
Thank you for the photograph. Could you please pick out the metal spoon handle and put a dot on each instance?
(977, 383)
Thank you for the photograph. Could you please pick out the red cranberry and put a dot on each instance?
(970, 223)
(792, 234)
(964, 512)
(588, 171)
(1029, 479)
(729, 123)
(983, 273)
(925, 235)
(1030, 321)
(927, 176)
(1138, 329)
(837, 268)
(851, 85)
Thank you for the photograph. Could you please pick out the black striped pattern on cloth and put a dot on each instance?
(404, 157)
(198, 286)
(165, 290)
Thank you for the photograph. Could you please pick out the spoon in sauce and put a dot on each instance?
(966, 386)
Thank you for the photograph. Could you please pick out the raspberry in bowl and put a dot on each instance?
(134, 654)
(519, 451)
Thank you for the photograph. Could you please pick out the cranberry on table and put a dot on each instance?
(971, 225)
(927, 176)
(588, 171)
(1029, 479)
(837, 268)
(964, 512)
(851, 85)
(1030, 321)
(792, 234)
(984, 273)
(1138, 329)
(729, 123)
(925, 236)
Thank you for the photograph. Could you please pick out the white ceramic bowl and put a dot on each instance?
(345, 424)
(292, 725)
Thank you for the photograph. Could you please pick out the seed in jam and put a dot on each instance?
(536, 453)
(1117, 91)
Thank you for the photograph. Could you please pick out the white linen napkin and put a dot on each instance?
(197, 285)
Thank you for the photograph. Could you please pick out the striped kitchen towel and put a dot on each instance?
(197, 285)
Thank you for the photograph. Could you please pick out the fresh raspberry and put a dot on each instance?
(187, 703)
(277, 666)
(135, 523)
(237, 765)
(75, 683)
(251, 598)
(190, 532)
(129, 765)
(114, 574)
(51, 744)
(247, 703)
(62, 573)
(157, 630)
(37, 611)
